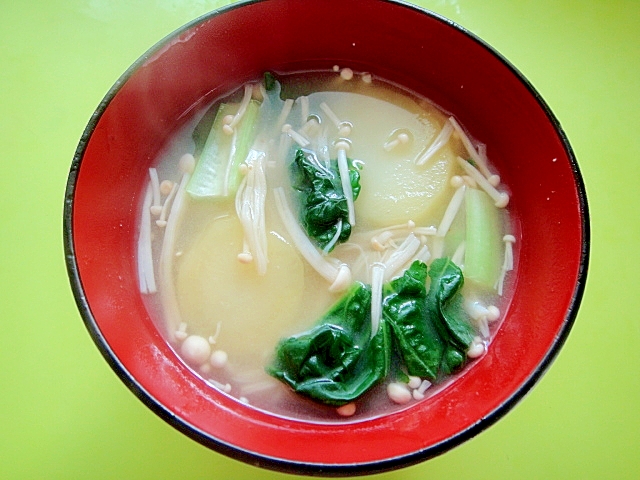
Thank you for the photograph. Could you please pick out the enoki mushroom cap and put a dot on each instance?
(342, 280)
(503, 200)
(476, 348)
(187, 163)
(343, 145)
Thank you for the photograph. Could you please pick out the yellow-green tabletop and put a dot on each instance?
(64, 413)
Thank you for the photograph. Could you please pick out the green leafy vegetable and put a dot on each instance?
(324, 206)
(445, 310)
(269, 81)
(416, 337)
(430, 329)
(338, 360)
(472, 162)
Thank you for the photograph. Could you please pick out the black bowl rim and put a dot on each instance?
(279, 464)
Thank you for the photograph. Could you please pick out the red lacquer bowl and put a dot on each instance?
(397, 41)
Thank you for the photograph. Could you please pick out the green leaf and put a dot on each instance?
(269, 81)
(338, 360)
(452, 360)
(430, 329)
(416, 337)
(324, 212)
(444, 308)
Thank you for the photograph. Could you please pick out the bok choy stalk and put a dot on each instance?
(483, 239)
(324, 211)
(217, 171)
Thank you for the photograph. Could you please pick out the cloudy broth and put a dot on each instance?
(239, 275)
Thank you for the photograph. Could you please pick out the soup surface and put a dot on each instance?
(325, 245)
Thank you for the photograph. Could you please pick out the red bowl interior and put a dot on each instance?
(404, 44)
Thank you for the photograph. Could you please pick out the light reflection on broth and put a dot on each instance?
(227, 275)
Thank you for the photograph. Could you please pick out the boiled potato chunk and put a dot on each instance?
(397, 191)
(253, 311)
(394, 189)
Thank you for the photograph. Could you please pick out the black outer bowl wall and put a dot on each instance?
(277, 464)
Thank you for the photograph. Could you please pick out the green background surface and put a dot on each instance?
(65, 414)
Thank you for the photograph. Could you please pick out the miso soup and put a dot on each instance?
(326, 246)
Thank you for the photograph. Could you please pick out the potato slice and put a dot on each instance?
(396, 191)
(253, 311)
